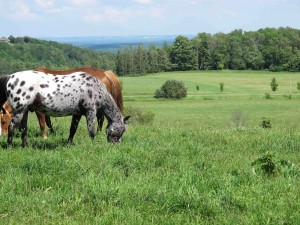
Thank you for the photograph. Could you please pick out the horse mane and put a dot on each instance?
(116, 88)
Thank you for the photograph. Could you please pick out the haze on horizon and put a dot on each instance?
(67, 18)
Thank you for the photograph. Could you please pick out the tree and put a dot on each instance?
(183, 55)
(202, 44)
(274, 84)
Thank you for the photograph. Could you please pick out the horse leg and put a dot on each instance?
(90, 117)
(42, 123)
(15, 122)
(49, 124)
(73, 128)
(24, 129)
(100, 120)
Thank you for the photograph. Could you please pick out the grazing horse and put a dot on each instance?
(110, 80)
(74, 94)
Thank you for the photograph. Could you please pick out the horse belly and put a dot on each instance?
(59, 106)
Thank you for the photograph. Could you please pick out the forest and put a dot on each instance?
(274, 49)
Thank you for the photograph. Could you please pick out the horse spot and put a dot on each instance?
(16, 99)
(23, 94)
(19, 91)
(44, 85)
(31, 89)
(22, 83)
(9, 85)
(16, 82)
(8, 92)
(39, 99)
(12, 87)
(12, 76)
(27, 97)
(19, 105)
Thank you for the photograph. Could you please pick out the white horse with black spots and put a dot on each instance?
(74, 94)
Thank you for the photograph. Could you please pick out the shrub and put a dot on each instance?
(171, 89)
(269, 164)
(274, 84)
(266, 123)
(267, 95)
(139, 116)
(221, 86)
(298, 86)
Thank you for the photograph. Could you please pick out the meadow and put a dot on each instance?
(204, 159)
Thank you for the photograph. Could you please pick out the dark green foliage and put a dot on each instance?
(298, 86)
(269, 48)
(274, 84)
(269, 164)
(171, 89)
(267, 95)
(183, 54)
(266, 123)
(29, 53)
(221, 86)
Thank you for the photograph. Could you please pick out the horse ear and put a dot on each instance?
(126, 118)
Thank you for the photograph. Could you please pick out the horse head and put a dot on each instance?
(115, 130)
(6, 116)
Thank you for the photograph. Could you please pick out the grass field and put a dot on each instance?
(192, 165)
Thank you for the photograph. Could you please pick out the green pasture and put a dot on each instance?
(244, 91)
(192, 165)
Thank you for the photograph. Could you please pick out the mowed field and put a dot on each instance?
(205, 159)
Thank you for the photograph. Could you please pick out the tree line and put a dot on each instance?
(274, 49)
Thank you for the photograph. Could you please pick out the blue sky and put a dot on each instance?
(65, 18)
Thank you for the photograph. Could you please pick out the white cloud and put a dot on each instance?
(20, 11)
(83, 2)
(45, 3)
(109, 14)
(143, 1)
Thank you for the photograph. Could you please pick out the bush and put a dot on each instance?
(221, 86)
(171, 89)
(266, 123)
(139, 116)
(267, 95)
(269, 164)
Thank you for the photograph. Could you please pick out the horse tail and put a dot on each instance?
(3, 91)
(116, 88)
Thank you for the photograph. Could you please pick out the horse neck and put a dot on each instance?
(111, 110)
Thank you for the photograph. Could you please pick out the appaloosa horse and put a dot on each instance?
(110, 80)
(75, 94)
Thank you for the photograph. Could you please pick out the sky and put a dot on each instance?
(69, 18)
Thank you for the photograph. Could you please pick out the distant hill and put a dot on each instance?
(113, 43)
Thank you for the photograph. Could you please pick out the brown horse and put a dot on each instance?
(110, 80)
